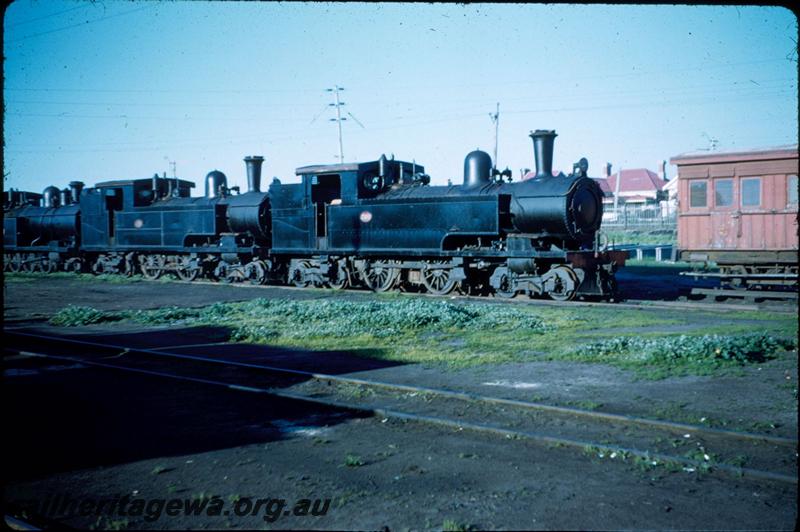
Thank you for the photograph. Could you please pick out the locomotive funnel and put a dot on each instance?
(543, 141)
(253, 163)
(477, 169)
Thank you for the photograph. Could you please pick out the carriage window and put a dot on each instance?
(791, 193)
(723, 192)
(751, 192)
(697, 193)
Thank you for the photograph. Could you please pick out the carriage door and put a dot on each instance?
(325, 189)
(724, 214)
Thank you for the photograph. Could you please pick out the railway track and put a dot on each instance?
(650, 443)
(788, 307)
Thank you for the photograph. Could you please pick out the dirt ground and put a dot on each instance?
(91, 433)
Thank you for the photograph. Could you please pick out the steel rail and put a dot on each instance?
(628, 303)
(458, 425)
(464, 396)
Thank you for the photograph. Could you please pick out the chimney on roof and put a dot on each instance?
(607, 170)
(662, 169)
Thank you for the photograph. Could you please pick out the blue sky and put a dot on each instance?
(113, 89)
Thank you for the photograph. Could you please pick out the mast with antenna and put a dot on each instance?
(496, 119)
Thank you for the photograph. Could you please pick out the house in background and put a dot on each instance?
(636, 185)
(638, 192)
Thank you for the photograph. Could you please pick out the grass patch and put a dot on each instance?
(352, 460)
(74, 316)
(656, 236)
(660, 357)
(412, 329)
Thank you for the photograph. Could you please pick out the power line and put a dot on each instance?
(78, 25)
(81, 6)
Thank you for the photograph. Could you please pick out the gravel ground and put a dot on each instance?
(93, 433)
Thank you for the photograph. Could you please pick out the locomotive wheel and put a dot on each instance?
(339, 277)
(73, 265)
(234, 275)
(566, 282)
(256, 272)
(505, 291)
(438, 281)
(152, 266)
(380, 276)
(49, 266)
(30, 263)
(297, 277)
(99, 266)
(186, 271)
(15, 263)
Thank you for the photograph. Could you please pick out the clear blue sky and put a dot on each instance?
(112, 89)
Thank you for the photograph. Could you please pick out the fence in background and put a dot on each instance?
(636, 216)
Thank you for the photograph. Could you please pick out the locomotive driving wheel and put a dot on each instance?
(256, 272)
(152, 266)
(297, 275)
(438, 281)
(15, 262)
(30, 263)
(564, 284)
(49, 266)
(506, 288)
(338, 275)
(74, 265)
(188, 269)
(380, 275)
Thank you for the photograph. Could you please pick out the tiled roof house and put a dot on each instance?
(637, 185)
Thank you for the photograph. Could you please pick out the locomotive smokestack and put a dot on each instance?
(543, 141)
(253, 163)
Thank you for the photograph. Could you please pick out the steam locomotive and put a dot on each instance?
(377, 224)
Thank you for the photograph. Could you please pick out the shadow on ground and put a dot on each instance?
(658, 282)
(68, 416)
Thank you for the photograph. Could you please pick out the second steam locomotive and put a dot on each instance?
(376, 224)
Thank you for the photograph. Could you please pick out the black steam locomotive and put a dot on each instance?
(377, 224)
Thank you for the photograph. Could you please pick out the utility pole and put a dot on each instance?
(496, 119)
(338, 104)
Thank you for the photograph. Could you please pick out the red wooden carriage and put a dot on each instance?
(739, 211)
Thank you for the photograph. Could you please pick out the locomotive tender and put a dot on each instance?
(378, 224)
